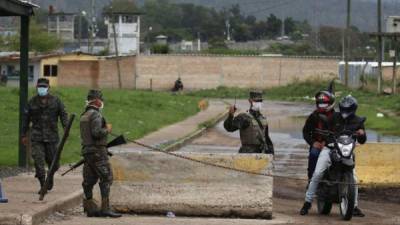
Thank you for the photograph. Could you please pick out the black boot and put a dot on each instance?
(51, 183)
(357, 212)
(41, 181)
(91, 208)
(105, 209)
(306, 207)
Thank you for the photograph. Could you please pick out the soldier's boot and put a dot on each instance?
(51, 183)
(91, 208)
(41, 181)
(105, 209)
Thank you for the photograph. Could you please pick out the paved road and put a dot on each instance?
(291, 159)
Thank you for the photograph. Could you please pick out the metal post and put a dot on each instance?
(347, 44)
(23, 85)
(80, 31)
(394, 79)
(380, 55)
(116, 46)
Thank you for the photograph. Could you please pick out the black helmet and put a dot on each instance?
(256, 95)
(94, 94)
(348, 106)
(325, 100)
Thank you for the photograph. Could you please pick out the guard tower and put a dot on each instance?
(61, 24)
(126, 27)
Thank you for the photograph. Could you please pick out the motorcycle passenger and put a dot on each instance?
(342, 121)
(325, 102)
(349, 121)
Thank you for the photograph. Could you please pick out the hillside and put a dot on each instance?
(317, 12)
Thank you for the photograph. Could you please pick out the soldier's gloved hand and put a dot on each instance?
(24, 140)
(109, 127)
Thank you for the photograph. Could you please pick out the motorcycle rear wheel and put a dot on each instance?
(347, 196)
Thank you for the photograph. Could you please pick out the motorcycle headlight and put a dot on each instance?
(346, 149)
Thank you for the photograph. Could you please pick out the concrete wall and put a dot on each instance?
(101, 73)
(202, 72)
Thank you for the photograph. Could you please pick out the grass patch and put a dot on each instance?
(370, 102)
(133, 113)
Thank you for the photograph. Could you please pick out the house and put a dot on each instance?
(62, 25)
(39, 66)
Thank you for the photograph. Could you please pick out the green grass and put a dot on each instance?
(132, 113)
(370, 103)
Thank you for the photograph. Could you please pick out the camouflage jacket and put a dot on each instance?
(93, 131)
(44, 118)
(250, 131)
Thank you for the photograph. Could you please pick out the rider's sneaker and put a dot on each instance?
(357, 212)
(306, 207)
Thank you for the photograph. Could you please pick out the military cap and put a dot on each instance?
(93, 94)
(43, 82)
(256, 95)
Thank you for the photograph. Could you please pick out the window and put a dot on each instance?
(10, 70)
(50, 70)
(31, 73)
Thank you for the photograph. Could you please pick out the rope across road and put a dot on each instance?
(154, 149)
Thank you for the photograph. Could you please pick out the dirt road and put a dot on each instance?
(290, 161)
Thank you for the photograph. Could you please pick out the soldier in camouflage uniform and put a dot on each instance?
(43, 111)
(253, 127)
(94, 131)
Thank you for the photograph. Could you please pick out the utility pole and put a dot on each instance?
(394, 78)
(347, 44)
(92, 26)
(379, 49)
(116, 47)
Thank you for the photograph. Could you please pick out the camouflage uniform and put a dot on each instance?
(96, 164)
(94, 150)
(254, 138)
(43, 113)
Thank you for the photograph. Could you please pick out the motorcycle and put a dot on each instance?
(338, 185)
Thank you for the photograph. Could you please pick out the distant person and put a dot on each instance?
(3, 79)
(252, 125)
(178, 85)
(43, 111)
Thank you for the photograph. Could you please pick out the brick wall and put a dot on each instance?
(199, 72)
(101, 73)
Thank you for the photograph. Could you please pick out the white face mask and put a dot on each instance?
(257, 106)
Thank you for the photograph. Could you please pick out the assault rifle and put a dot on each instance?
(120, 140)
(54, 164)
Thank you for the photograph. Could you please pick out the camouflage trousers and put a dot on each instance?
(95, 168)
(43, 153)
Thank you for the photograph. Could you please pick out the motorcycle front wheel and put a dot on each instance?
(347, 196)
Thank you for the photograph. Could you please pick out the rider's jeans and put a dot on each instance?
(312, 161)
(324, 162)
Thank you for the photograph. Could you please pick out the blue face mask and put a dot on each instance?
(42, 91)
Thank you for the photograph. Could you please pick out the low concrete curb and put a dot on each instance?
(42, 213)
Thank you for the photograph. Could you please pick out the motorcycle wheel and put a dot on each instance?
(324, 207)
(347, 196)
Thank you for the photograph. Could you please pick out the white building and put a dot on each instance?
(62, 25)
(127, 30)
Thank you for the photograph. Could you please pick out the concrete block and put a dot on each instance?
(156, 183)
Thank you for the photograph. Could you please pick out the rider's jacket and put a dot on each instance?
(351, 124)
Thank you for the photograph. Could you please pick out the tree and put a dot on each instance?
(274, 25)
(290, 26)
(39, 40)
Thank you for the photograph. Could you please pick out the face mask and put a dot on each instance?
(323, 106)
(96, 103)
(257, 106)
(42, 91)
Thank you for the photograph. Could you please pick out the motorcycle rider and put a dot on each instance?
(345, 120)
(348, 120)
(325, 102)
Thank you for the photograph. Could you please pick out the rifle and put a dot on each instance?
(120, 140)
(53, 167)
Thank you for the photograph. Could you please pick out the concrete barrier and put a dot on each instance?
(155, 183)
(378, 164)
